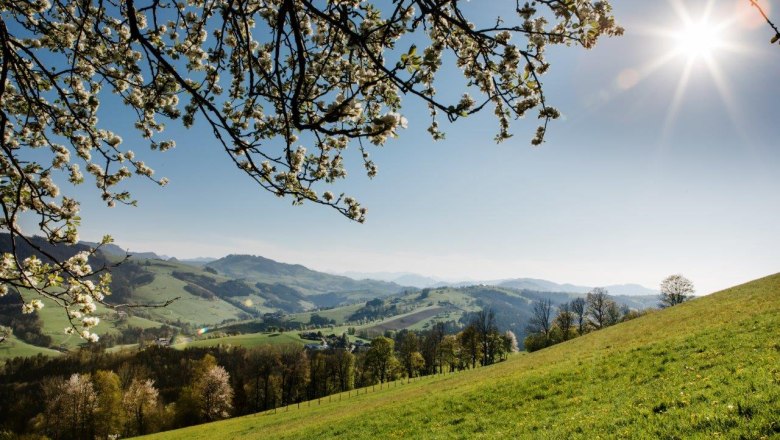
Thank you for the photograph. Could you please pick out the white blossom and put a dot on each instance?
(286, 121)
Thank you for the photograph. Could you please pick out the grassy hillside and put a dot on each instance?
(248, 340)
(190, 308)
(420, 310)
(12, 347)
(331, 289)
(707, 368)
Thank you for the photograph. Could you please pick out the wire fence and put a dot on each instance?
(357, 392)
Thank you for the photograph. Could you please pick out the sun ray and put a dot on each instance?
(681, 11)
(650, 68)
(729, 101)
(707, 13)
(674, 107)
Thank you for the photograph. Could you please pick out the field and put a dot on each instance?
(189, 308)
(405, 321)
(55, 322)
(249, 340)
(338, 314)
(12, 347)
(709, 368)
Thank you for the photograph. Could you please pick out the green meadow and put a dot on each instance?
(248, 340)
(709, 368)
(12, 347)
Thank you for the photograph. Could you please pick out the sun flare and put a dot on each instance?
(698, 40)
(704, 41)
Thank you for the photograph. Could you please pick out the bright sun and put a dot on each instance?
(701, 43)
(698, 40)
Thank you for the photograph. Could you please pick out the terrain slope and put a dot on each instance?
(707, 368)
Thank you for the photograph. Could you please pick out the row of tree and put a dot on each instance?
(594, 312)
(105, 404)
(94, 394)
(574, 318)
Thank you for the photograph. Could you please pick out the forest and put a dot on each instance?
(93, 393)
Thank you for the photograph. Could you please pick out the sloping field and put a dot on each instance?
(12, 347)
(189, 308)
(248, 340)
(405, 321)
(709, 368)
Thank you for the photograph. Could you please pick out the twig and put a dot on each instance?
(755, 4)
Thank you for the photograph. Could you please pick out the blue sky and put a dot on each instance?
(620, 192)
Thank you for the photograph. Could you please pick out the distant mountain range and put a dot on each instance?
(382, 283)
(112, 250)
(324, 288)
(402, 278)
(246, 287)
(293, 287)
(533, 284)
(549, 286)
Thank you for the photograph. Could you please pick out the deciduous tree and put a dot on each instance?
(294, 374)
(675, 289)
(139, 400)
(485, 324)
(409, 354)
(510, 341)
(70, 407)
(380, 358)
(579, 308)
(215, 393)
(599, 302)
(564, 320)
(109, 416)
(471, 349)
(284, 86)
(263, 363)
(541, 317)
(449, 351)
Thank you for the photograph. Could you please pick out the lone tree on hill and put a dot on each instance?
(599, 304)
(284, 86)
(675, 289)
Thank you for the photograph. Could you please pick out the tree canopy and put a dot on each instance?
(284, 86)
(675, 289)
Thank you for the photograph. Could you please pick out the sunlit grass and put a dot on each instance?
(707, 368)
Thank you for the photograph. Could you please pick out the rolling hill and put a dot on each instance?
(419, 311)
(321, 288)
(236, 291)
(706, 368)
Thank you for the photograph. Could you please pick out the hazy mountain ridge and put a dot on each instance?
(113, 250)
(307, 281)
(402, 278)
(246, 286)
(533, 284)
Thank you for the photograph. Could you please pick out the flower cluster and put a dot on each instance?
(67, 284)
(285, 86)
